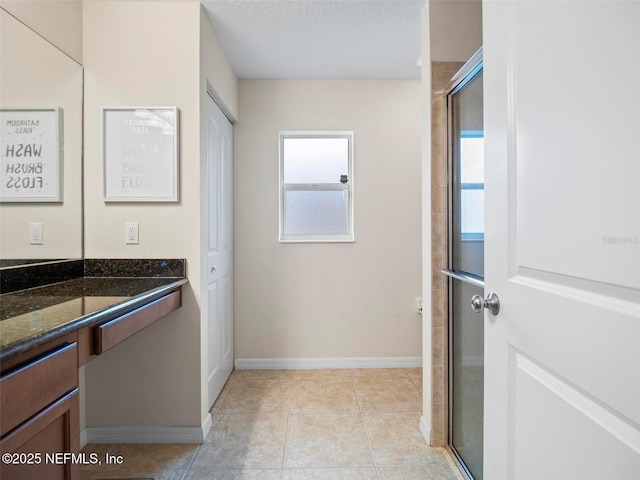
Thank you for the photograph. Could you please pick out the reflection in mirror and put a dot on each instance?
(16, 262)
(37, 75)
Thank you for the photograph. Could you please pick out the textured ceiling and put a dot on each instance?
(319, 39)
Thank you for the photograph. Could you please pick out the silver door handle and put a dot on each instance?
(491, 303)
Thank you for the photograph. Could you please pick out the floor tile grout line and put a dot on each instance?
(416, 385)
(193, 458)
(286, 430)
(366, 432)
(284, 446)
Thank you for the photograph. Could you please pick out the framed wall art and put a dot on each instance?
(31, 156)
(140, 149)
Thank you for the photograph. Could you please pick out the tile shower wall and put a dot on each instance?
(441, 73)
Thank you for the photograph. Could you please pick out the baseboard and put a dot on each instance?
(326, 363)
(149, 434)
(425, 430)
(83, 438)
(206, 426)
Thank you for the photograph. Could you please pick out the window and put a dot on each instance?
(472, 185)
(316, 186)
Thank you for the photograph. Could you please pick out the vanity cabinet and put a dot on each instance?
(39, 400)
(39, 417)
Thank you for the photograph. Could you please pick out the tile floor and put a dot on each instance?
(299, 425)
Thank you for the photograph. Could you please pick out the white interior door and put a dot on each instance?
(562, 217)
(219, 253)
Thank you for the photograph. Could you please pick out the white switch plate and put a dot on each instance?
(35, 234)
(131, 233)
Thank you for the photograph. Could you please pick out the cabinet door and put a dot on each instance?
(53, 430)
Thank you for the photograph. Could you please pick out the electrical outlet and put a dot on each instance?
(131, 233)
(35, 234)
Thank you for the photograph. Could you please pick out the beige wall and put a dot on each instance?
(149, 54)
(58, 21)
(36, 74)
(330, 300)
(455, 29)
(216, 74)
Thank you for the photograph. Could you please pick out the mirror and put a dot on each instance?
(35, 74)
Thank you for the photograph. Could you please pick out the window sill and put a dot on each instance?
(346, 239)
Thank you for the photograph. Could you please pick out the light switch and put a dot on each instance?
(35, 234)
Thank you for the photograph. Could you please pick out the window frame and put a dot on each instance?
(349, 237)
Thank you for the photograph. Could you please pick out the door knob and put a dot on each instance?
(491, 303)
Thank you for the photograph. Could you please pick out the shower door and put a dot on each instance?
(466, 265)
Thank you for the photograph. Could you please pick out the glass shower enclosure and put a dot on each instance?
(466, 265)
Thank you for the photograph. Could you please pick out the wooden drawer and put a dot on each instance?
(109, 334)
(52, 431)
(32, 387)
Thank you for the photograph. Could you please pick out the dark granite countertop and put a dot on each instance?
(34, 316)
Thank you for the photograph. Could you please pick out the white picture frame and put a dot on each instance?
(140, 154)
(31, 155)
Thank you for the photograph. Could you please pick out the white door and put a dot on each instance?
(562, 218)
(219, 253)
